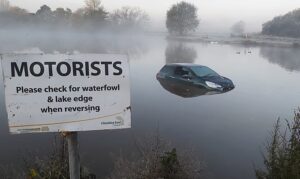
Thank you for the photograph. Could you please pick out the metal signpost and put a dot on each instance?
(74, 161)
(66, 93)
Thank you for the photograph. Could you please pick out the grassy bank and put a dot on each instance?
(250, 40)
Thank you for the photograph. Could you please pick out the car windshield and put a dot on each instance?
(202, 71)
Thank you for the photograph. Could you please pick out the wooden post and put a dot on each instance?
(73, 149)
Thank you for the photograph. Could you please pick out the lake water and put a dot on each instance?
(227, 131)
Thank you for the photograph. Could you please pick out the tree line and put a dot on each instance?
(93, 16)
(286, 25)
(181, 17)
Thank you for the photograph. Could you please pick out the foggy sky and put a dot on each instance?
(215, 15)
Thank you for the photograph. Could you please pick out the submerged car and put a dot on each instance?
(195, 75)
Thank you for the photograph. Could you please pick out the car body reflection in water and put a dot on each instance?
(191, 80)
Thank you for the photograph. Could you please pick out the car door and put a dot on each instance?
(183, 75)
(187, 76)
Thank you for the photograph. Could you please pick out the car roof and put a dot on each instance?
(184, 64)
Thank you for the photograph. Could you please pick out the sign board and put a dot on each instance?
(59, 93)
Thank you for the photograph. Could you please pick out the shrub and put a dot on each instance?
(282, 160)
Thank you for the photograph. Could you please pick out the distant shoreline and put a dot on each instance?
(250, 40)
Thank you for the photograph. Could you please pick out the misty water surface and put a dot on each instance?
(226, 130)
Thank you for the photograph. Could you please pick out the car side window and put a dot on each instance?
(186, 71)
(180, 71)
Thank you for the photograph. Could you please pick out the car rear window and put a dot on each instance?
(167, 69)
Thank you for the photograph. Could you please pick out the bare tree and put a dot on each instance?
(4, 5)
(129, 17)
(94, 11)
(93, 5)
(18, 11)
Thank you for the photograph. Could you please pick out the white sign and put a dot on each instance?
(58, 93)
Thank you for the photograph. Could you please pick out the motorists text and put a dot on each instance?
(66, 68)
